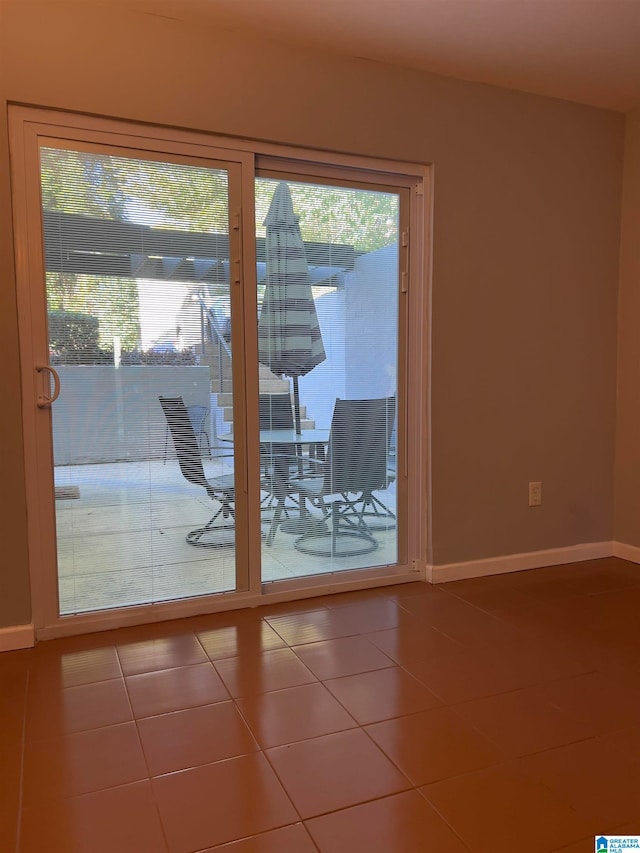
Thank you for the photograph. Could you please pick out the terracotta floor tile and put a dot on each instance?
(433, 745)
(13, 702)
(10, 773)
(392, 593)
(547, 619)
(75, 643)
(123, 819)
(335, 771)
(548, 589)
(367, 616)
(272, 670)
(547, 583)
(539, 659)
(404, 823)
(568, 771)
(19, 661)
(632, 827)
(11, 765)
(8, 828)
(75, 709)
(221, 802)
(165, 653)
(193, 737)
(472, 692)
(500, 810)
(458, 619)
(492, 600)
(585, 698)
(175, 689)
(522, 722)
(300, 606)
(412, 642)
(602, 581)
(381, 694)
(459, 676)
(626, 740)
(627, 675)
(289, 839)
(243, 639)
(297, 713)
(298, 628)
(611, 648)
(585, 845)
(345, 656)
(82, 762)
(72, 668)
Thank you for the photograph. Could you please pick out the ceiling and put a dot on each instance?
(581, 50)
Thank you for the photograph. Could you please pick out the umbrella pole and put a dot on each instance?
(296, 415)
(296, 405)
(304, 523)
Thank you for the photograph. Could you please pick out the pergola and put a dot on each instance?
(77, 244)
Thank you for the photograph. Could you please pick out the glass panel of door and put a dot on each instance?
(138, 306)
(328, 272)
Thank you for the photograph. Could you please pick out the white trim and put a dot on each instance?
(69, 123)
(17, 637)
(527, 560)
(28, 126)
(274, 592)
(626, 552)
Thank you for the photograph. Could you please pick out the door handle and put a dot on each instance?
(43, 400)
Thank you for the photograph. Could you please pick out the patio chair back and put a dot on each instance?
(184, 440)
(359, 445)
(275, 411)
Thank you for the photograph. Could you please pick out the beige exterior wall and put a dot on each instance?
(525, 261)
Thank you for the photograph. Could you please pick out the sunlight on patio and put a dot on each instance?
(136, 515)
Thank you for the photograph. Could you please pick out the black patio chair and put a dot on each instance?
(198, 417)
(220, 489)
(356, 467)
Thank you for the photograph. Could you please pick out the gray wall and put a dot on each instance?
(104, 414)
(526, 238)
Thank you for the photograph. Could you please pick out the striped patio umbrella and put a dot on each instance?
(289, 338)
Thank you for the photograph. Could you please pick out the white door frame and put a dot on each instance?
(27, 127)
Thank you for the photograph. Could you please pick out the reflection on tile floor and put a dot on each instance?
(514, 727)
(122, 542)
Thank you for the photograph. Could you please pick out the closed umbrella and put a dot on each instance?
(289, 337)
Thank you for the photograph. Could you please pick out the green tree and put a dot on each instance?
(363, 219)
(187, 198)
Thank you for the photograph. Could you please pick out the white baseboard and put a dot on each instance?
(626, 552)
(528, 560)
(23, 636)
(17, 637)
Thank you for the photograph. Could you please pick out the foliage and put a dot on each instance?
(360, 218)
(112, 302)
(181, 357)
(192, 198)
(72, 333)
(188, 198)
(74, 339)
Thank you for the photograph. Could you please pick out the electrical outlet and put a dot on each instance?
(535, 494)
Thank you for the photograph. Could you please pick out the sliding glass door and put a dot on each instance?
(330, 262)
(215, 349)
(138, 307)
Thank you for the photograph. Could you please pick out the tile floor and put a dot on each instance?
(123, 541)
(500, 714)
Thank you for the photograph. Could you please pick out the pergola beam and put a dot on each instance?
(78, 244)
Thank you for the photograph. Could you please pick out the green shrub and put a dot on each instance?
(73, 334)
